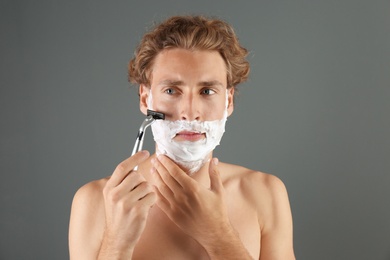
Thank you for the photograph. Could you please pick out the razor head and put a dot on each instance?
(156, 115)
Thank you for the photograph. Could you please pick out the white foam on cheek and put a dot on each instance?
(190, 155)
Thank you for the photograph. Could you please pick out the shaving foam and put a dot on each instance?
(189, 155)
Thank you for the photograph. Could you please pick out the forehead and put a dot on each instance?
(181, 64)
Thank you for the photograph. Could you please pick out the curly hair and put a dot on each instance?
(191, 33)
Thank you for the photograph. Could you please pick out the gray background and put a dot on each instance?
(315, 112)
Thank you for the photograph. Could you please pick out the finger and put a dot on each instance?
(123, 169)
(165, 174)
(161, 202)
(215, 178)
(131, 181)
(143, 196)
(161, 186)
(149, 199)
(176, 172)
(141, 191)
(123, 189)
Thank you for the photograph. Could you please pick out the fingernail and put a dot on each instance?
(145, 153)
(215, 161)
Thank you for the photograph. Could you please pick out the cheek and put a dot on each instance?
(164, 106)
(155, 103)
(213, 109)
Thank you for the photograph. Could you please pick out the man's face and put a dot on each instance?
(188, 85)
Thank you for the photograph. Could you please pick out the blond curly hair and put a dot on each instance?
(191, 33)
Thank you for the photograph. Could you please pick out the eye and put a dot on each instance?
(208, 91)
(170, 91)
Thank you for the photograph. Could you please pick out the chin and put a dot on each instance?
(191, 167)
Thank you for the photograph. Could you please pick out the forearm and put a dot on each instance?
(227, 246)
(110, 250)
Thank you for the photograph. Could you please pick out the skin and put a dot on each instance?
(223, 211)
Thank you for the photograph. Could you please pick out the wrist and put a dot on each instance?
(114, 254)
(111, 249)
(220, 237)
(225, 244)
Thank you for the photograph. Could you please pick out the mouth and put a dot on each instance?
(191, 136)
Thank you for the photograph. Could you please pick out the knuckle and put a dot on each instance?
(139, 210)
(140, 186)
(121, 167)
(149, 188)
(124, 206)
(105, 191)
(146, 186)
(142, 216)
(137, 184)
(138, 176)
(153, 197)
(113, 196)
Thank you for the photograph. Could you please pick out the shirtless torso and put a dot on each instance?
(257, 207)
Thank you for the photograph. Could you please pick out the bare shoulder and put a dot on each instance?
(87, 220)
(266, 192)
(88, 203)
(253, 181)
(90, 192)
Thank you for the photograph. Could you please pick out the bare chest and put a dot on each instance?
(162, 239)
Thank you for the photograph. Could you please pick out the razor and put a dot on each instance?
(150, 118)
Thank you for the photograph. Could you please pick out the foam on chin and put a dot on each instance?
(189, 155)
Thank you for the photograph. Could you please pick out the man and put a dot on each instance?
(181, 203)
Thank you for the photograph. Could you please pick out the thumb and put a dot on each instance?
(215, 178)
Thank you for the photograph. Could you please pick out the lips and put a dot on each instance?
(192, 136)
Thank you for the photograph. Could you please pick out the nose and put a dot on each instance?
(189, 108)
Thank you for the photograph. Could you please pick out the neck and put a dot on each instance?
(202, 175)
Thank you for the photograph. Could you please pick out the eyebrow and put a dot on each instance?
(210, 83)
(169, 82)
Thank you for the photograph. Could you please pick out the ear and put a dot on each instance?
(143, 98)
(230, 107)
